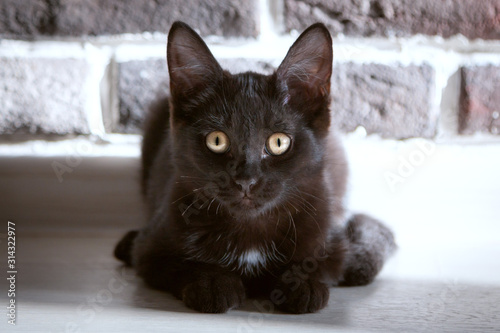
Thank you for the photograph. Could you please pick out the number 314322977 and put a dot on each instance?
(11, 245)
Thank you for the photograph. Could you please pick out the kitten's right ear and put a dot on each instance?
(191, 65)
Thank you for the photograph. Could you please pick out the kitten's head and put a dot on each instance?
(249, 141)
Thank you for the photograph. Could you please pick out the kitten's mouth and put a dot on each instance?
(246, 207)
(248, 202)
(245, 204)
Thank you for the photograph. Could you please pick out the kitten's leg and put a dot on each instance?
(370, 243)
(298, 293)
(212, 290)
(303, 286)
(203, 287)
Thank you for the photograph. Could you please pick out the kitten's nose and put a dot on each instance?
(245, 185)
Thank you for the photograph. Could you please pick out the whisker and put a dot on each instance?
(277, 223)
(292, 221)
(304, 201)
(211, 202)
(309, 194)
(307, 206)
(296, 209)
(195, 190)
(184, 212)
(308, 210)
(289, 228)
(192, 177)
(189, 182)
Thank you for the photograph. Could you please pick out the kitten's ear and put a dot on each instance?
(191, 65)
(306, 70)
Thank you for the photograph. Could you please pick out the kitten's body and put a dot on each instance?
(246, 222)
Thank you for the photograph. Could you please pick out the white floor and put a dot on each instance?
(443, 204)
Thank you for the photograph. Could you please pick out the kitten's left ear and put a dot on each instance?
(306, 70)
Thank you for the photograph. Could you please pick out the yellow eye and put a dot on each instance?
(278, 144)
(218, 142)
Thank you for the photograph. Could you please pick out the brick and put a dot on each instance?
(43, 96)
(480, 100)
(472, 18)
(38, 18)
(25, 18)
(139, 84)
(395, 102)
(142, 82)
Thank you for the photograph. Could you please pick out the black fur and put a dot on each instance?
(247, 223)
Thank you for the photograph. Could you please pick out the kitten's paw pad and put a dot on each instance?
(307, 297)
(214, 294)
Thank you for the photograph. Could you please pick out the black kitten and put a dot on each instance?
(245, 185)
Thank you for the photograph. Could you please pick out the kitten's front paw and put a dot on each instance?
(214, 293)
(307, 297)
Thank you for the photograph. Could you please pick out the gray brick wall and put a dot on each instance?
(471, 18)
(480, 100)
(393, 101)
(43, 96)
(139, 83)
(48, 93)
(45, 18)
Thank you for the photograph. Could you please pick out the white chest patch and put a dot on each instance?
(249, 262)
(252, 260)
